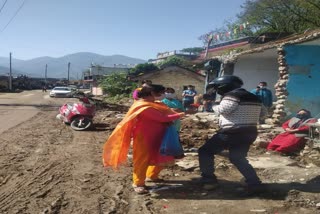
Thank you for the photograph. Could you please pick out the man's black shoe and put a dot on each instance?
(207, 183)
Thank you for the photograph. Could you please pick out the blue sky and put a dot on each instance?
(135, 28)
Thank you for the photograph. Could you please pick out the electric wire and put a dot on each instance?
(24, 1)
(3, 5)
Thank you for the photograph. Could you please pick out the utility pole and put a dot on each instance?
(82, 79)
(68, 72)
(10, 73)
(210, 38)
(45, 75)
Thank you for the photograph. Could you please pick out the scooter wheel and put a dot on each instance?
(81, 123)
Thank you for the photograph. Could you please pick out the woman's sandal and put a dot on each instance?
(140, 189)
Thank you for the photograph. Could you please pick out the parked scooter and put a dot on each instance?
(78, 115)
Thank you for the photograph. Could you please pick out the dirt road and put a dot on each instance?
(45, 167)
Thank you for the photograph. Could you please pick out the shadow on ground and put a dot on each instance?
(101, 127)
(228, 190)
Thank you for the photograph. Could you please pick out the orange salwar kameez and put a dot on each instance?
(145, 122)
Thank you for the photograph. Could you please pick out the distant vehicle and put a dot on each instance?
(84, 87)
(73, 87)
(61, 92)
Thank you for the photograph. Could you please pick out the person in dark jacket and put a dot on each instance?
(264, 94)
(239, 112)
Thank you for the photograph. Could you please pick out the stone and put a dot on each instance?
(266, 126)
(222, 166)
(187, 164)
(277, 111)
(261, 143)
(281, 93)
(280, 106)
(304, 152)
(280, 101)
(258, 210)
(282, 97)
(282, 68)
(283, 73)
(268, 121)
(286, 76)
(276, 116)
(119, 115)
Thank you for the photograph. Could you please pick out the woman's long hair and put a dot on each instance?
(146, 90)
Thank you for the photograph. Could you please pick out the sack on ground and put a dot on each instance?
(171, 145)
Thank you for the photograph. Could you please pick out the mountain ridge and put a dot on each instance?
(58, 66)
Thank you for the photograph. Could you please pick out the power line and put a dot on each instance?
(3, 5)
(24, 1)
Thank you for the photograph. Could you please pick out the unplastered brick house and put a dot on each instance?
(175, 77)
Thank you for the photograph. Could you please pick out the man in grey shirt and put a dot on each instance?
(239, 112)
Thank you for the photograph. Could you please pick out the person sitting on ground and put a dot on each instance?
(146, 123)
(293, 139)
(143, 83)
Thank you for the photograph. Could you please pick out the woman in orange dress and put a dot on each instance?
(145, 122)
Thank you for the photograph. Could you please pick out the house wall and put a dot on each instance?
(304, 78)
(254, 69)
(97, 91)
(3, 83)
(176, 77)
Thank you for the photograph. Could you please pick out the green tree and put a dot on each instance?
(194, 50)
(293, 16)
(117, 84)
(173, 60)
(289, 16)
(143, 68)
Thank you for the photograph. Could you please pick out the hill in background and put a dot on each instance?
(58, 67)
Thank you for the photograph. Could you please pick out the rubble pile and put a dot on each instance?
(266, 134)
(311, 154)
(300, 199)
(197, 128)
